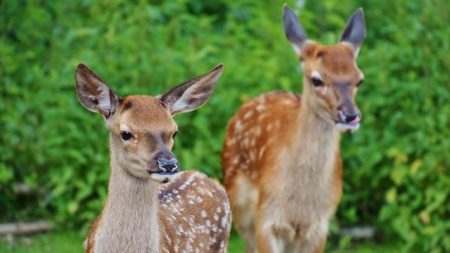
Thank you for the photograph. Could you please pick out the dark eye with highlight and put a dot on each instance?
(317, 82)
(126, 136)
(174, 134)
(359, 83)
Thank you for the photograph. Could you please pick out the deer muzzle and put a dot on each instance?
(166, 168)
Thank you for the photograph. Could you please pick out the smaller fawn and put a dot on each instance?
(281, 157)
(151, 206)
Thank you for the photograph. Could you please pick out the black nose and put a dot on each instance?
(168, 165)
(349, 117)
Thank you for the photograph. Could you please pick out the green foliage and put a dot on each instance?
(396, 166)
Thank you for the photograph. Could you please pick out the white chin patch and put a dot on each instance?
(163, 178)
(347, 127)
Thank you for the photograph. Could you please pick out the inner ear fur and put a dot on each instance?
(94, 94)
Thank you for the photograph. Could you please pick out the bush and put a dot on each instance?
(54, 154)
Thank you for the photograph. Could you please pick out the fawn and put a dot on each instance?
(281, 158)
(151, 206)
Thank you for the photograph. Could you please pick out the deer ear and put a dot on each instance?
(94, 94)
(293, 30)
(355, 31)
(192, 94)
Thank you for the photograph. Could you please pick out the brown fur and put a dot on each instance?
(191, 213)
(205, 215)
(194, 217)
(281, 158)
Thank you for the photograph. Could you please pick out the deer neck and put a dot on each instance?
(129, 220)
(315, 143)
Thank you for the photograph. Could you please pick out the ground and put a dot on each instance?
(71, 242)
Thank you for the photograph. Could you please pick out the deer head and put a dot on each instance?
(331, 75)
(142, 128)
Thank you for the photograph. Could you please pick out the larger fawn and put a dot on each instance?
(141, 215)
(281, 158)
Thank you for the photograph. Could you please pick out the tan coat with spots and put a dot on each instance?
(281, 158)
(192, 213)
(151, 207)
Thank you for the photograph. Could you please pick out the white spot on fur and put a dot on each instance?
(187, 182)
(224, 222)
(262, 116)
(199, 199)
(262, 149)
(238, 126)
(287, 102)
(248, 114)
(260, 107)
(230, 142)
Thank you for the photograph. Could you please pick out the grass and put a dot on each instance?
(71, 242)
(67, 242)
(367, 247)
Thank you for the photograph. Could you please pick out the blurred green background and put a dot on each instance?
(54, 154)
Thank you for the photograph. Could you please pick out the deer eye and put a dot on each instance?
(174, 134)
(316, 82)
(126, 136)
